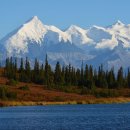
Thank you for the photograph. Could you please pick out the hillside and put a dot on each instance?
(34, 94)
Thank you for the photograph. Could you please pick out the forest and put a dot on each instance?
(65, 76)
(83, 81)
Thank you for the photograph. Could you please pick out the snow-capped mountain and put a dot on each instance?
(78, 35)
(97, 45)
(32, 32)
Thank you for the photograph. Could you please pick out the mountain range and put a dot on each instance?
(96, 45)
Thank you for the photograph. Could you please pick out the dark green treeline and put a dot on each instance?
(66, 75)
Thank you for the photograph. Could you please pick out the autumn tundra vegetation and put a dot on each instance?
(62, 83)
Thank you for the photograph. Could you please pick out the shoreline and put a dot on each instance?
(43, 103)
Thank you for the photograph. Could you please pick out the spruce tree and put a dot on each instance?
(63, 74)
(110, 76)
(36, 71)
(102, 82)
(66, 76)
(58, 75)
(120, 77)
(15, 65)
(128, 78)
(27, 70)
(86, 73)
(41, 74)
(90, 73)
(82, 75)
(21, 71)
(73, 77)
(78, 76)
(48, 74)
(7, 68)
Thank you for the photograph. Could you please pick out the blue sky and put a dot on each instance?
(63, 13)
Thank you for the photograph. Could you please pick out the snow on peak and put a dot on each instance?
(32, 30)
(74, 28)
(52, 30)
(119, 23)
(98, 33)
(35, 18)
(30, 33)
(32, 37)
(78, 35)
(107, 43)
(121, 32)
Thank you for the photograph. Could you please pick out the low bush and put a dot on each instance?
(11, 95)
(106, 93)
(12, 82)
(25, 88)
(58, 99)
(84, 91)
(3, 92)
(6, 94)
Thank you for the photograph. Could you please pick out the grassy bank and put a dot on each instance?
(29, 94)
(89, 101)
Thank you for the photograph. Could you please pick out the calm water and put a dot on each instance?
(66, 117)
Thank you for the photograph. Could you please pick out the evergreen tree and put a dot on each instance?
(128, 78)
(66, 76)
(21, 69)
(69, 74)
(102, 82)
(15, 69)
(78, 76)
(63, 74)
(10, 70)
(15, 65)
(95, 76)
(27, 70)
(82, 75)
(90, 73)
(86, 73)
(120, 77)
(73, 77)
(48, 74)
(41, 74)
(58, 75)
(36, 72)
(111, 79)
(7, 68)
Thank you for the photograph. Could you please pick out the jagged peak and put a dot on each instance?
(53, 28)
(118, 22)
(75, 28)
(33, 29)
(34, 20)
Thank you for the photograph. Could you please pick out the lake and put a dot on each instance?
(66, 117)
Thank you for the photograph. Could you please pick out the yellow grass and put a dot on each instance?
(89, 101)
